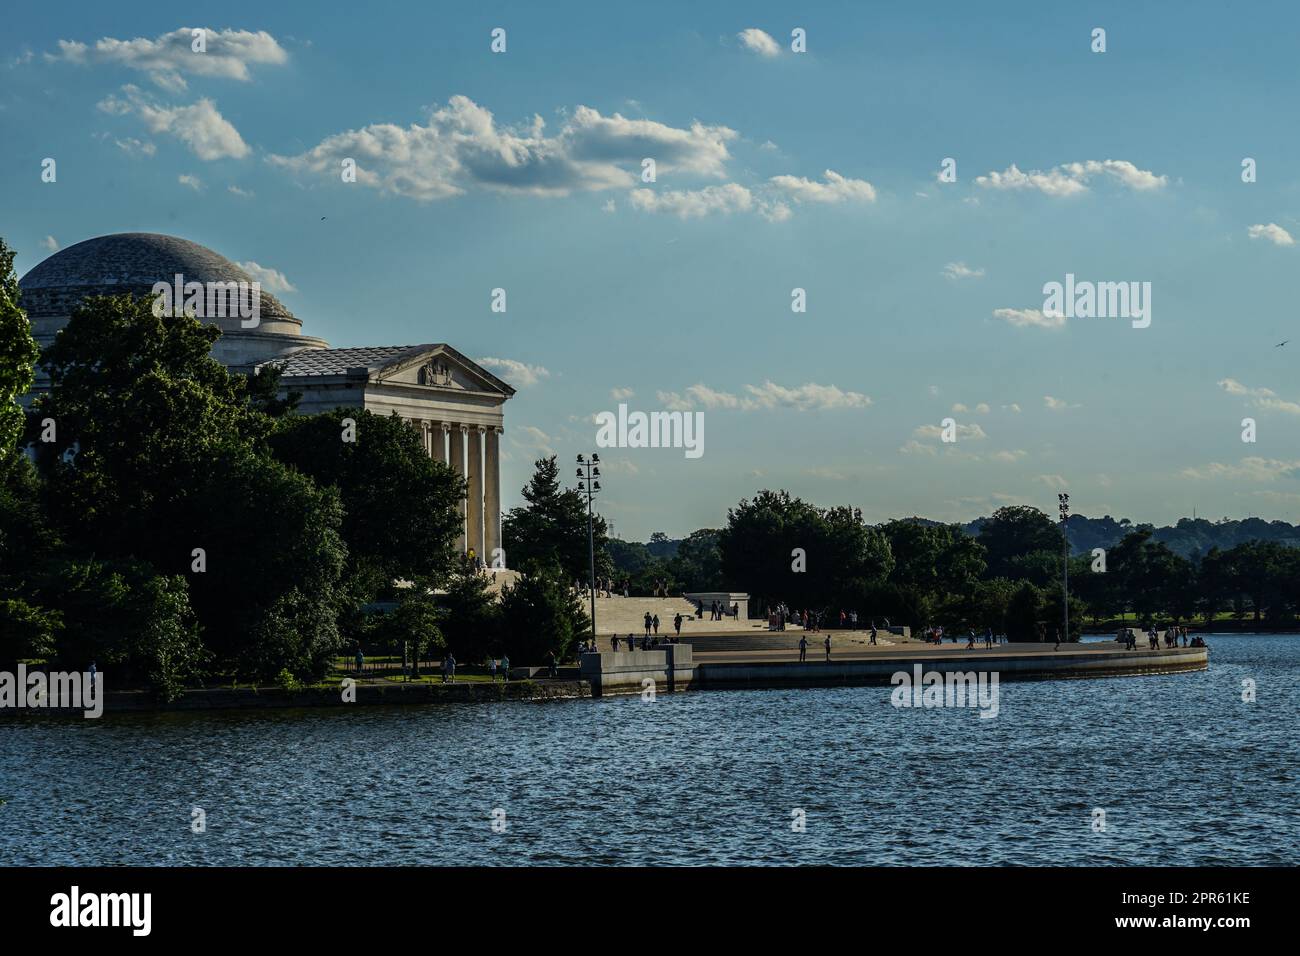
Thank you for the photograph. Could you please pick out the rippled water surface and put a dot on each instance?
(1186, 772)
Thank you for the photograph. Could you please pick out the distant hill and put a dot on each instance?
(1190, 537)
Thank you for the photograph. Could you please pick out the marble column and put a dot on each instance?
(438, 442)
(457, 451)
(475, 512)
(492, 495)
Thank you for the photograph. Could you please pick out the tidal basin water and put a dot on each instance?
(1186, 772)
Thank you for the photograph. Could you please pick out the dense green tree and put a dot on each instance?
(168, 465)
(1015, 532)
(552, 528)
(540, 614)
(1024, 614)
(781, 548)
(18, 353)
(471, 623)
(135, 625)
(401, 512)
(697, 565)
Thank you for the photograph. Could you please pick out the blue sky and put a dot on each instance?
(522, 171)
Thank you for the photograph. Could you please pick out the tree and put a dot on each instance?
(1024, 613)
(171, 468)
(414, 624)
(401, 509)
(552, 528)
(697, 565)
(780, 548)
(471, 623)
(1014, 532)
(137, 626)
(18, 353)
(540, 614)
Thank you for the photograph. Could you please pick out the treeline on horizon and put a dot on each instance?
(1002, 572)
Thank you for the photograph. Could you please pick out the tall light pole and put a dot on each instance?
(588, 472)
(1064, 499)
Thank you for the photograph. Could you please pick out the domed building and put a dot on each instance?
(456, 405)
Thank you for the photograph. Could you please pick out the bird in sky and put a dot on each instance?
(1282, 343)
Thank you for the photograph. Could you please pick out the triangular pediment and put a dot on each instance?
(439, 366)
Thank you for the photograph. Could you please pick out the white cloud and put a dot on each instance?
(532, 438)
(242, 193)
(50, 243)
(608, 206)
(982, 408)
(757, 41)
(914, 447)
(515, 372)
(1027, 318)
(621, 394)
(972, 431)
(185, 179)
(1252, 468)
(694, 203)
(462, 147)
(1072, 178)
(959, 408)
(1264, 398)
(807, 397)
(1057, 405)
(959, 270)
(272, 279)
(200, 126)
(1013, 407)
(229, 53)
(1054, 481)
(1009, 455)
(134, 147)
(835, 189)
(1272, 232)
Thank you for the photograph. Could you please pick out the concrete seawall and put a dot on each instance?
(669, 666)
(1061, 664)
(626, 672)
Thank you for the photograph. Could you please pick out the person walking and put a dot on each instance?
(505, 668)
(828, 647)
(492, 666)
(647, 623)
(655, 624)
(361, 659)
(677, 624)
(803, 648)
(614, 641)
(873, 632)
(555, 665)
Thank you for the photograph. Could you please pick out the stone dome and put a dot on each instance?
(129, 262)
(133, 262)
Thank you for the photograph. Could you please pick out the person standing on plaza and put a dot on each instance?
(803, 647)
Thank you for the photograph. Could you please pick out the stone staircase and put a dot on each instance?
(784, 640)
(623, 616)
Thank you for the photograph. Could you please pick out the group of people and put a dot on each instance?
(803, 647)
(646, 642)
(934, 635)
(717, 611)
(1170, 638)
(811, 620)
(605, 587)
